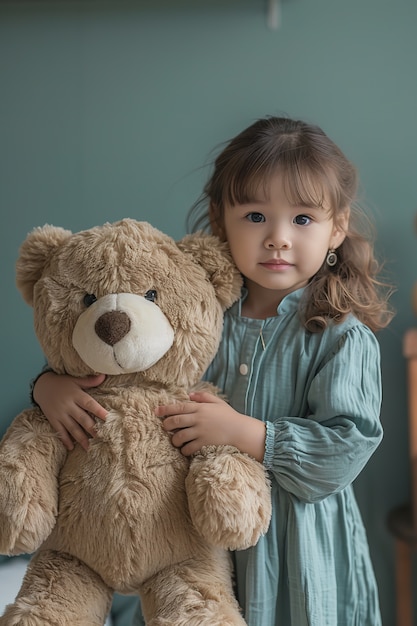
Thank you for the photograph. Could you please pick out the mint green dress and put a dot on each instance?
(319, 395)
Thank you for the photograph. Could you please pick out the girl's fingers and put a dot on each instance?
(204, 396)
(70, 434)
(84, 422)
(182, 437)
(75, 427)
(91, 406)
(78, 434)
(65, 437)
(177, 409)
(175, 422)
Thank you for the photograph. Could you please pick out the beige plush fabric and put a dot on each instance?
(131, 514)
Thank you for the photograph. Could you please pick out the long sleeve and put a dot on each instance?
(320, 454)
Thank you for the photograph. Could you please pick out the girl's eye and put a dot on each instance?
(302, 220)
(89, 299)
(151, 295)
(255, 217)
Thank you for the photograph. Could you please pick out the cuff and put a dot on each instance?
(269, 445)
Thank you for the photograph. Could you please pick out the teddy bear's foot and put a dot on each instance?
(59, 590)
(210, 617)
(229, 497)
(197, 592)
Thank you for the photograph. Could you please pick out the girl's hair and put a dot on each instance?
(315, 173)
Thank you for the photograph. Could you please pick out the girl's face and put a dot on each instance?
(278, 247)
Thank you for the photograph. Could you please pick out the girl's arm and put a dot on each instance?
(68, 407)
(310, 457)
(322, 454)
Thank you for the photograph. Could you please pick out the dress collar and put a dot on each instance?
(288, 304)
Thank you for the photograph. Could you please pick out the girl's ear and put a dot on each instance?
(340, 229)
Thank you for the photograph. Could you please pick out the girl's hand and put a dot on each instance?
(209, 420)
(68, 407)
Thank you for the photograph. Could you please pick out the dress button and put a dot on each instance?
(243, 369)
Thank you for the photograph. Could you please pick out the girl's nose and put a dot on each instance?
(277, 241)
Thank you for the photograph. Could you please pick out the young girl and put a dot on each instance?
(299, 364)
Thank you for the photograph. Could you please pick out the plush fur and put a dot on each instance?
(132, 514)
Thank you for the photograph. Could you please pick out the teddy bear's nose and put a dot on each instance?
(112, 326)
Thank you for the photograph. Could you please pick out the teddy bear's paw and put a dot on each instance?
(59, 590)
(22, 613)
(19, 615)
(229, 497)
(190, 620)
(219, 612)
(23, 531)
(16, 616)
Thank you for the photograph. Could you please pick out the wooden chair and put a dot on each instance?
(402, 521)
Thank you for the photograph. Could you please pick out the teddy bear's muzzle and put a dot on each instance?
(122, 333)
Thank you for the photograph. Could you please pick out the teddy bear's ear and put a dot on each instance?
(214, 256)
(34, 254)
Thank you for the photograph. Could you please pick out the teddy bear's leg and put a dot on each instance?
(59, 590)
(197, 592)
(229, 497)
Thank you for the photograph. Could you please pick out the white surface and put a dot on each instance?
(11, 574)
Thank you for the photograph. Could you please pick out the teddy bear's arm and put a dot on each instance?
(228, 493)
(31, 456)
(229, 497)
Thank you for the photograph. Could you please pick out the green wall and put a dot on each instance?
(112, 109)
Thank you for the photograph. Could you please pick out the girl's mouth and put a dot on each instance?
(276, 265)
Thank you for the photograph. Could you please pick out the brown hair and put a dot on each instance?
(314, 171)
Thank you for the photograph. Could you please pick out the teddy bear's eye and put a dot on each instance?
(151, 295)
(89, 299)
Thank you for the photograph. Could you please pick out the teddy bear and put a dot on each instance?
(131, 514)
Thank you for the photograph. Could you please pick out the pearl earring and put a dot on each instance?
(331, 258)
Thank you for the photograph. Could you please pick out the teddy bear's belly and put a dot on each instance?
(132, 524)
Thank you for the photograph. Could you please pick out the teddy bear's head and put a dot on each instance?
(126, 299)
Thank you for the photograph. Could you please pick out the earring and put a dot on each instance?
(331, 258)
